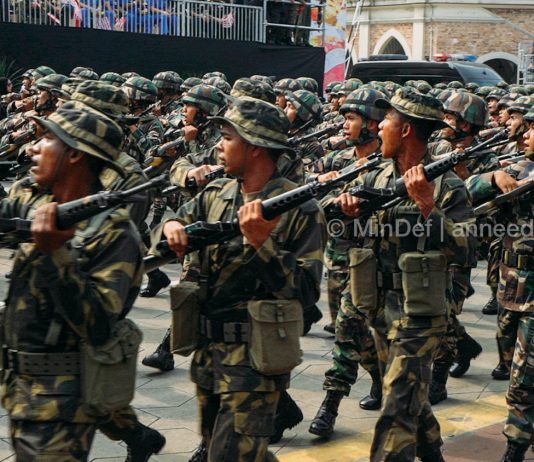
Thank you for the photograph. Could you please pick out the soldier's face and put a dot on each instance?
(451, 120)
(391, 133)
(232, 151)
(514, 123)
(352, 126)
(334, 101)
(503, 117)
(190, 112)
(291, 111)
(281, 100)
(529, 136)
(47, 154)
(492, 105)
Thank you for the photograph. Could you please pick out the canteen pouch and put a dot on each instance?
(185, 306)
(108, 371)
(274, 336)
(425, 281)
(363, 284)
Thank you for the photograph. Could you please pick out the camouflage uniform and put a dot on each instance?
(238, 403)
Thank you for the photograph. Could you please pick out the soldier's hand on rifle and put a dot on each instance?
(199, 174)
(44, 230)
(350, 205)
(419, 189)
(254, 227)
(327, 176)
(504, 182)
(190, 132)
(177, 238)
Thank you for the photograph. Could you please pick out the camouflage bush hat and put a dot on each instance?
(84, 129)
(415, 105)
(189, 83)
(307, 104)
(220, 75)
(42, 71)
(103, 97)
(471, 108)
(307, 83)
(523, 104)
(362, 101)
(140, 89)
(168, 80)
(253, 88)
(219, 83)
(88, 74)
(257, 122)
(208, 99)
(284, 86)
(112, 78)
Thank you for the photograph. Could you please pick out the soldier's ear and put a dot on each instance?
(75, 155)
(406, 129)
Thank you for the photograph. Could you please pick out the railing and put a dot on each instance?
(183, 18)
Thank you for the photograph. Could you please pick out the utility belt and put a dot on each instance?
(226, 332)
(24, 363)
(517, 260)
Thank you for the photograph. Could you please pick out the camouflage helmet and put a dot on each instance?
(262, 78)
(285, 86)
(112, 78)
(440, 86)
(362, 101)
(130, 74)
(76, 71)
(502, 84)
(507, 99)
(483, 91)
(308, 83)
(471, 108)
(410, 83)
(336, 89)
(331, 86)
(219, 83)
(455, 84)
(391, 87)
(520, 89)
(423, 86)
(168, 80)
(348, 86)
(445, 94)
(530, 89)
(53, 83)
(140, 89)
(28, 74)
(85, 129)
(529, 116)
(471, 86)
(306, 103)
(207, 98)
(257, 122)
(209, 75)
(88, 74)
(42, 71)
(103, 97)
(253, 88)
(189, 83)
(523, 104)
(496, 93)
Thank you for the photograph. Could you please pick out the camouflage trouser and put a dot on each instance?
(406, 427)
(122, 425)
(236, 426)
(494, 258)
(354, 344)
(507, 328)
(51, 441)
(520, 396)
(337, 280)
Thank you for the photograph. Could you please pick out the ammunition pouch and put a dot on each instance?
(363, 278)
(425, 281)
(274, 337)
(108, 371)
(185, 306)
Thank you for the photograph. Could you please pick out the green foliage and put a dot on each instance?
(9, 70)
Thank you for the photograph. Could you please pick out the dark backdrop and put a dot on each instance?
(63, 48)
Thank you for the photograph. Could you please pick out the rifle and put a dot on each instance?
(512, 155)
(493, 205)
(218, 172)
(70, 213)
(318, 134)
(8, 151)
(202, 233)
(382, 198)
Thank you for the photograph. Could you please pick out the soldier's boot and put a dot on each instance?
(437, 391)
(435, 456)
(162, 358)
(502, 371)
(330, 328)
(515, 452)
(491, 307)
(468, 349)
(144, 442)
(373, 400)
(288, 414)
(312, 314)
(157, 280)
(323, 423)
(200, 454)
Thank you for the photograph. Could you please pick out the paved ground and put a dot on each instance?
(471, 418)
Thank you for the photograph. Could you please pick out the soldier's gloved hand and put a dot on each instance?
(419, 189)
(503, 181)
(45, 233)
(199, 174)
(190, 132)
(254, 227)
(177, 238)
(350, 205)
(327, 176)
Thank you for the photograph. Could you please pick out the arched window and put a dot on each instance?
(392, 42)
(392, 47)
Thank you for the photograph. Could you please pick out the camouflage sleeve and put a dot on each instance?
(480, 188)
(294, 271)
(149, 137)
(96, 294)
